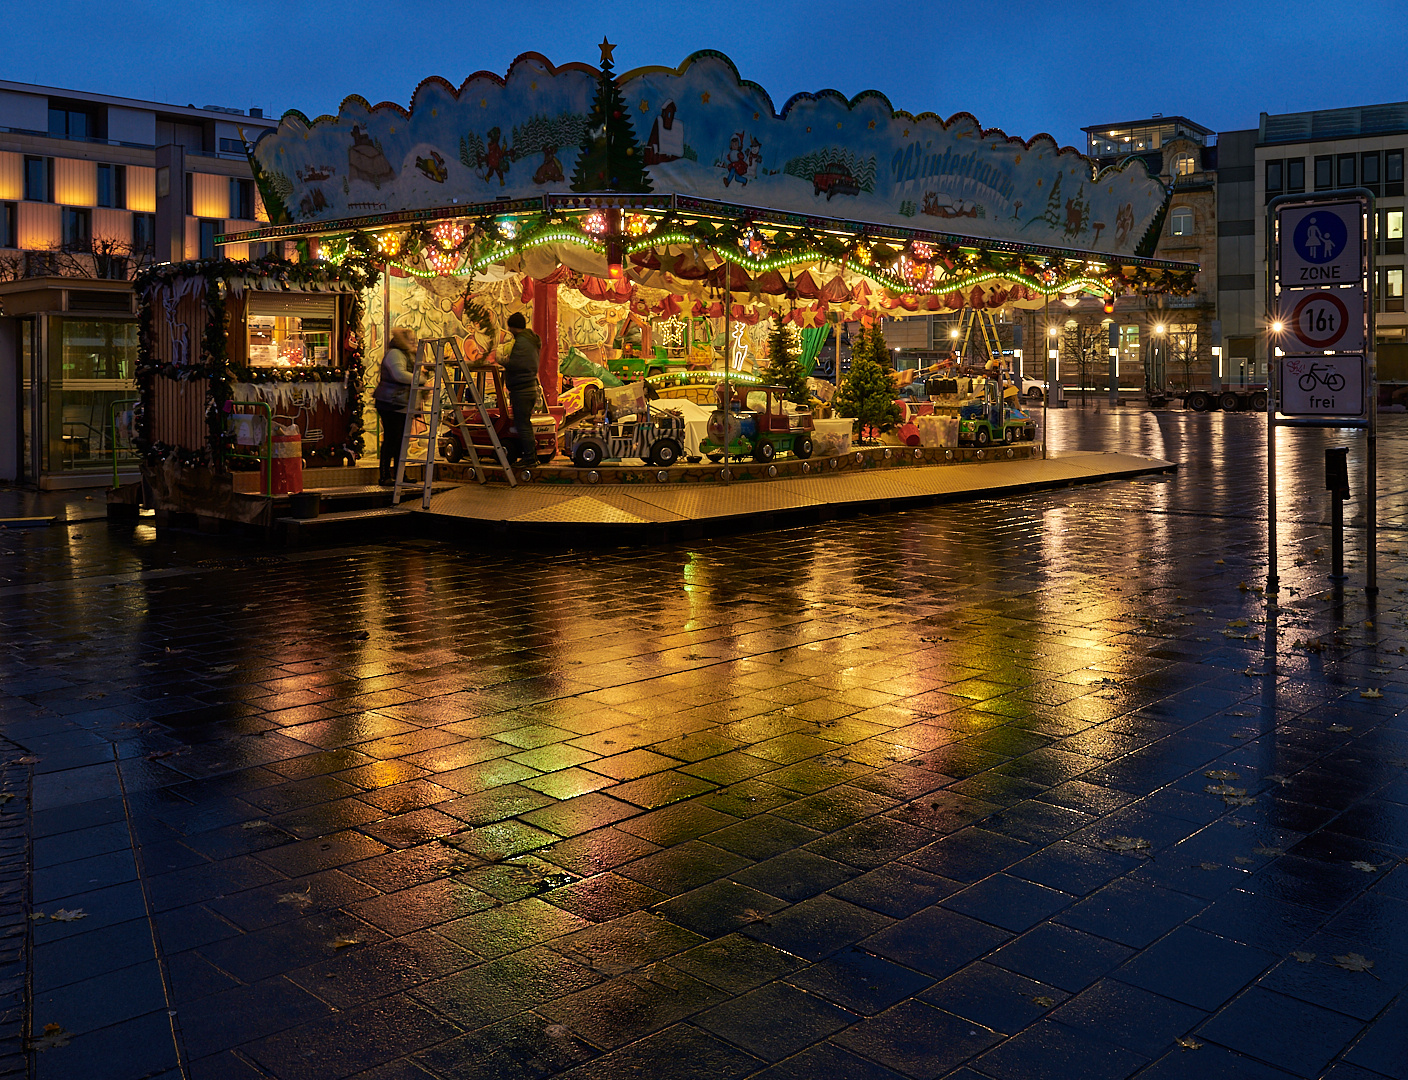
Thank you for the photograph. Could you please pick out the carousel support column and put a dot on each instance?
(545, 326)
(728, 363)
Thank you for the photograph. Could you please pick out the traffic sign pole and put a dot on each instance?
(1318, 286)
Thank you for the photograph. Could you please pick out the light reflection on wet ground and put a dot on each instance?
(998, 786)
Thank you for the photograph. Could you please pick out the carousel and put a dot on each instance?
(707, 276)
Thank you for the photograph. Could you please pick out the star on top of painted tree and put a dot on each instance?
(606, 50)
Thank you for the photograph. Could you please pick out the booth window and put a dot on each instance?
(1324, 173)
(292, 331)
(1180, 222)
(112, 186)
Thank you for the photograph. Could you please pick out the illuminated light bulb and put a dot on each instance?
(448, 234)
(389, 243)
(639, 225)
(595, 223)
(508, 229)
(1276, 327)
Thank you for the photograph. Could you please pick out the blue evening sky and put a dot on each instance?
(1023, 67)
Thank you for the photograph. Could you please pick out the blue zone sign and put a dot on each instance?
(1320, 245)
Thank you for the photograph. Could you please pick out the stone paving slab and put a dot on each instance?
(1033, 787)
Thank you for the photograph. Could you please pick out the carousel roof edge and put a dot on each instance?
(688, 204)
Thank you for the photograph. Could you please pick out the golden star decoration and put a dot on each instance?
(606, 50)
(704, 97)
(644, 106)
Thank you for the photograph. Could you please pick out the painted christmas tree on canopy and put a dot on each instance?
(611, 159)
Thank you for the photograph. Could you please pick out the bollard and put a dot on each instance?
(1337, 484)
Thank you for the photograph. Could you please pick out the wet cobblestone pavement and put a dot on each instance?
(1034, 788)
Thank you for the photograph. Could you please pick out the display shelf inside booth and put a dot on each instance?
(292, 331)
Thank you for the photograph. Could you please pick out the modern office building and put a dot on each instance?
(1292, 153)
(78, 203)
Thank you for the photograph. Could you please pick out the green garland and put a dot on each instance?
(214, 365)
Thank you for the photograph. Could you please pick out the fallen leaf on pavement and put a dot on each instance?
(6, 796)
(1371, 693)
(1301, 957)
(1367, 867)
(254, 824)
(344, 943)
(1239, 800)
(1209, 866)
(1044, 1001)
(1186, 1042)
(54, 1036)
(1354, 962)
(1340, 727)
(1269, 852)
(1277, 778)
(67, 915)
(1126, 843)
(28, 759)
(35, 916)
(1224, 789)
(1242, 860)
(1238, 622)
(1221, 774)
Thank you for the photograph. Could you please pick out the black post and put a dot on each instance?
(1337, 483)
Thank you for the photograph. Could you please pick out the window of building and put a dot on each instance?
(1393, 172)
(1389, 232)
(208, 229)
(231, 146)
(1346, 175)
(1184, 165)
(38, 179)
(143, 233)
(1369, 171)
(112, 186)
(9, 225)
(77, 228)
(1388, 291)
(1295, 174)
(1129, 336)
(1324, 173)
(1275, 177)
(242, 199)
(68, 122)
(1180, 221)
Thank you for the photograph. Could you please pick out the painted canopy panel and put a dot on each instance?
(704, 132)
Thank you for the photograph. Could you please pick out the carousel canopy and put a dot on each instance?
(687, 183)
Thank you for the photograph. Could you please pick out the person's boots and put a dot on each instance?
(386, 479)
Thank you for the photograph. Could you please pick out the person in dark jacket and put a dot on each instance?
(392, 392)
(520, 364)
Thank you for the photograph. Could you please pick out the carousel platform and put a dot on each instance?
(567, 504)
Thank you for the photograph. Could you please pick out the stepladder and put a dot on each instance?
(443, 387)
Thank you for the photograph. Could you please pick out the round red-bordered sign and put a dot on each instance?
(1320, 336)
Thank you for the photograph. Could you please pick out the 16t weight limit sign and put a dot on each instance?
(1326, 319)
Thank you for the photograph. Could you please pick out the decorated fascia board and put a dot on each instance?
(707, 133)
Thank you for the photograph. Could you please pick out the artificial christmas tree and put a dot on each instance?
(611, 159)
(784, 367)
(868, 393)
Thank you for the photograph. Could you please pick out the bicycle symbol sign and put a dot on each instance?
(1322, 385)
(1328, 319)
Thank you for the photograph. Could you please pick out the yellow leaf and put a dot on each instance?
(1187, 1042)
(1353, 962)
(1370, 693)
(1221, 774)
(1044, 1001)
(65, 915)
(54, 1036)
(1238, 622)
(344, 943)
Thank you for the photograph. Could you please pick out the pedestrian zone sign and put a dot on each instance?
(1322, 385)
(1320, 245)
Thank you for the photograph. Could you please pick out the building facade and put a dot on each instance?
(1306, 152)
(78, 217)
